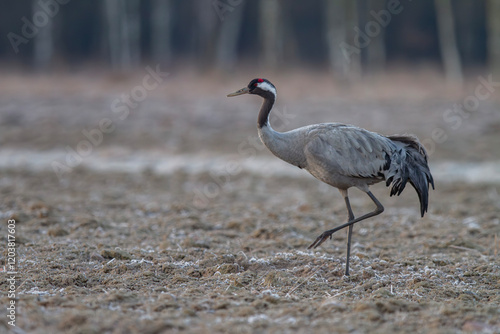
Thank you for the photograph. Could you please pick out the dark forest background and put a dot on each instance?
(456, 37)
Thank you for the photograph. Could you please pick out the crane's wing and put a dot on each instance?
(349, 150)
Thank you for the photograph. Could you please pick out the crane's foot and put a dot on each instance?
(322, 238)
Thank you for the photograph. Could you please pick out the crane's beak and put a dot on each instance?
(242, 91)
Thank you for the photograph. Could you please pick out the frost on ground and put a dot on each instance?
(106, 252)
(148, 235)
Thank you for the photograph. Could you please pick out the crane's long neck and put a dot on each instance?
(285, 145)
(265, 110)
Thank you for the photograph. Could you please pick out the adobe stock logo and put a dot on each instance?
(41, 18)
(373, 28)
(247, 151)
(120, 109)
(221, 8)
(454, 117)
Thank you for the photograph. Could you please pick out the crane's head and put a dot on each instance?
(261, 87)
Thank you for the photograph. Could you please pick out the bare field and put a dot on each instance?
(109, 250)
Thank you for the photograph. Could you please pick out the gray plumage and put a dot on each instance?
(346, 156)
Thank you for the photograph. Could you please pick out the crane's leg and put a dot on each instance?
(328, 234)
(349, 234)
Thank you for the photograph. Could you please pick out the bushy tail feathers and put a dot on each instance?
(409, 163)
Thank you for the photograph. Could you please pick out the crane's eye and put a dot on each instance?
(255, 84)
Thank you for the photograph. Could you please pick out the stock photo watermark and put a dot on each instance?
(222, 8)
(247, 150)
(455, 116)
(11, 271)
(372, 29)
(120, 108)
(46, 11)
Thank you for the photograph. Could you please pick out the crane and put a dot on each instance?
(345, 156)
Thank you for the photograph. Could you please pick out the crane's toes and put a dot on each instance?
(319, 240)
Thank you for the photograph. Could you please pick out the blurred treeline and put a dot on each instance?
(349, 37)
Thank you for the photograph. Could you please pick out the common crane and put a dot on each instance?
(345, 156)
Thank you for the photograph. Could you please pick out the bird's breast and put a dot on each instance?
(288, 146)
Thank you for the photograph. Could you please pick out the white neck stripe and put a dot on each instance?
(267, 87)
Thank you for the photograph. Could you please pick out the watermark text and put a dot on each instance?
(11, 266)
